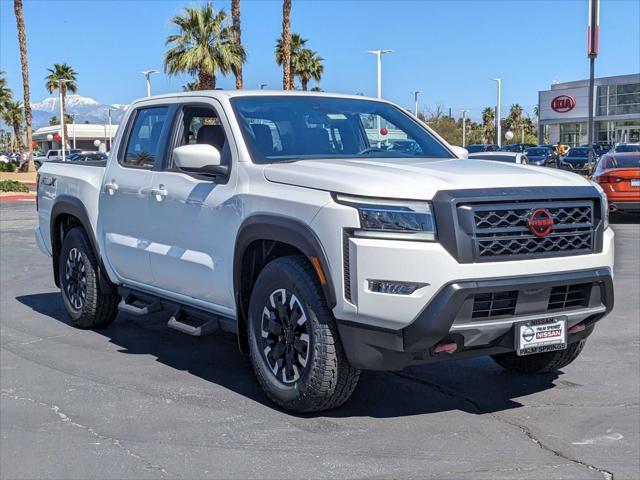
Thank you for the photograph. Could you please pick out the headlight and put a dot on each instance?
(604, 203)
(399, 219)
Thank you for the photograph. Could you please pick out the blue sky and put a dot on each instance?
(447, 49)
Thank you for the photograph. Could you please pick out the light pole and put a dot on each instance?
(464, 128)
(261, 86)
(415, 101)
(593, 31)
(498, 113)
(60, 82)
(73, 117)
(147, 74)
(110, 136)
(378, 54)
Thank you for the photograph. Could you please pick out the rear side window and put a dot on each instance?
(145, 140)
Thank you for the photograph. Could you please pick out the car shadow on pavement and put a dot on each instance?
(475, 386)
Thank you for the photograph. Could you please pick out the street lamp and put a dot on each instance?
(378, 54)
(415, 100)
(261, 86)
(147, 74)
(110, 136)
(464, 128)
(60, 82)
(498, 132)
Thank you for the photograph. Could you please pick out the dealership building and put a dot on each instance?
(81, 135)
(563, 111)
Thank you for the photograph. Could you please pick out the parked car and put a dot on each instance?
(516, 147)
(508, 157)
(541, 156)
(481, 147)
(87, 156)
(626, 147)
(323, 252)
(579, 160)
(619, 176)
(52, 155)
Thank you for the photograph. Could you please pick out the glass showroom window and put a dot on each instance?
(573, 134)
(619, 99)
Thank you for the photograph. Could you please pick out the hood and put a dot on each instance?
(413, 178)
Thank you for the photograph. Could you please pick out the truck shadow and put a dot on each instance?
(474, 386)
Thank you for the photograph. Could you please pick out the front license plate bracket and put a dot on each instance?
(541, 335)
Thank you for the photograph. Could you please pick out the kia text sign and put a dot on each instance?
(563, 103)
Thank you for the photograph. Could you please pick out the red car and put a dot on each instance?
(619, 176)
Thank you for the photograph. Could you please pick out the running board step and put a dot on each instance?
(136, 305)
(196, 327)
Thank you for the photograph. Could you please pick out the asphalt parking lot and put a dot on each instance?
(138, 400)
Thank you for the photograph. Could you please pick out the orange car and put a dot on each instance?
(619, 176)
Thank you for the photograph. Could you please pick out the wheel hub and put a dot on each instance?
(285, 336)
(75, 279)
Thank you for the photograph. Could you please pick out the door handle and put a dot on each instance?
(111, 187)
(160, 192)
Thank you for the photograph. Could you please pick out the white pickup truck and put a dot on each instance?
(331, 233)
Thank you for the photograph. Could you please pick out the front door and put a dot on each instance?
(125, 199)
(194, 217)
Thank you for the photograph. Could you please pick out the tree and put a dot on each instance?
(287, 80)
(235, 15)
(308, 65)
(13, 114)
(297, 44)
(5, 93)
(488, 125)
(24, 62)
(64, 72)
(190, 86)
(54, 120)
(204, 46)
(514, 121)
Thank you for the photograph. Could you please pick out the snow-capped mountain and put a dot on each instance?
(84, 109)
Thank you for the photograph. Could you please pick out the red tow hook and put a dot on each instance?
(446, 348)
(577, 328)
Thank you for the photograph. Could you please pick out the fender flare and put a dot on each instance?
(68, 205)
(280, 229)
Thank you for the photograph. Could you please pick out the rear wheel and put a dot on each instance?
(295, 349)
(540, 362)
(85, 302)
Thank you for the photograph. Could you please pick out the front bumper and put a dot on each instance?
(617, 206)
(447, 318)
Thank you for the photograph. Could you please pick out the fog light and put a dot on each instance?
(394, 288)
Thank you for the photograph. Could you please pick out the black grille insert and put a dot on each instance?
(494, 304)
(346, 267)
(567, 296)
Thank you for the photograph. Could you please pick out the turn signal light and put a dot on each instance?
(394, 288)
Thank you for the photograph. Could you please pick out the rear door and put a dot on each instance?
(125, 199)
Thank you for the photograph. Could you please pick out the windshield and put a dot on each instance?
(578, 152)
(535, 152)
(627, 148)
(279, 128)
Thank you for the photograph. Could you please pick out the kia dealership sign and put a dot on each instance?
(563, 103)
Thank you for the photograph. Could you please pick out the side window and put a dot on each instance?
(144, 143)
(202, 125)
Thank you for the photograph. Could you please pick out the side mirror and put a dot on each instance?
(199, 158)
(459, 151)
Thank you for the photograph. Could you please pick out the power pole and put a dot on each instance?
(593, 33)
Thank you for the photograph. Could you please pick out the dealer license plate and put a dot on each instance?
(635, 182)
(541, 335)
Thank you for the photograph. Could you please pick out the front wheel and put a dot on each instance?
(85, 302)
(295, 349)
(540, 362)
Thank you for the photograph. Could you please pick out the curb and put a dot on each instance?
(18, 196)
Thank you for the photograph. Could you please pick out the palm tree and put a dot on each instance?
(64, 72)
(308, 66)
(287, 80)
(13, 114)
(296, 45)
(514, 119)
(235, 15)
(190, 86)
(5, 93)
(24, 62)
(488, 125)
(53, 120)
(204, 46)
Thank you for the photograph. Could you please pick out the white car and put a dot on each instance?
(283, 217)
(498, 156)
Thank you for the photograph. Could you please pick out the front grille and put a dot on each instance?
(501, 231)
(494, 304)
(567, 296)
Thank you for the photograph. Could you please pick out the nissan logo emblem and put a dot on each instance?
(540, 222)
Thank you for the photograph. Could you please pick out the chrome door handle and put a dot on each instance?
(160, 192)
(111, 187)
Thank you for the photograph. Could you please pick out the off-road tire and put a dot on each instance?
(327, 380)
(540, 362)
(98, 309)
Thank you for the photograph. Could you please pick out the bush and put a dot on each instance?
(13, 186)
(7, 167)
